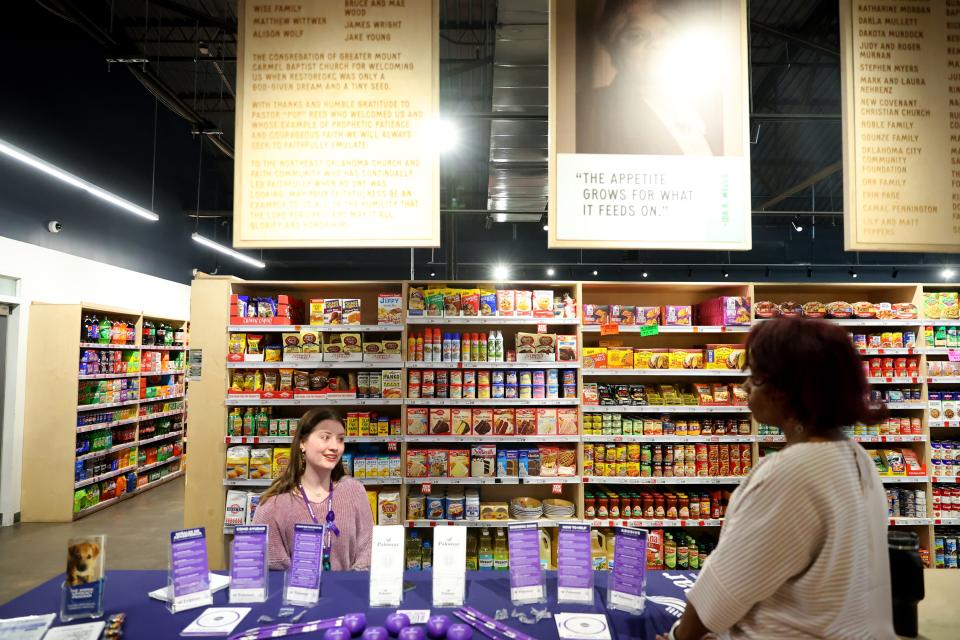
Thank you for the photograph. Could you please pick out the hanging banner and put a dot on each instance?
(900, 79)
(649, 124)
(337, 124)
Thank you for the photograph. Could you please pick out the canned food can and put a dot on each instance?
(553, 377)
(539, 376)
(510, 391)
(539, 391)
(496, 390)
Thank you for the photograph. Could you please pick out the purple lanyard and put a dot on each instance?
(330, 524)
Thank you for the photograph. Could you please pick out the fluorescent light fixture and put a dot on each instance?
(227, 250)
(42, 165)
(546, 227)
(551, 272)
(501, 272)
(433, 274)
(947, 273)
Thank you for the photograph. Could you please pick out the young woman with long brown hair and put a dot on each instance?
(315, 489)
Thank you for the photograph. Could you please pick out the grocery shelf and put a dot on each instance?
(154, 347)
(159, 481)
(944, 424)
(648, 522)
(166, 436)
(887, 351)
(172, 372)
(870, 322)
(258, 482)
(494, 402)
(162, 399)
(318, 401)
(905, 479)
(317, 364)
(289, 439)
(417, 364)
(297, 328)
(895, 380)
(771, 439)
(97, 345)
(668, 373)
(109, 376)
(380, 480)
(104, 476)
(105, 452)
(903, 522)
(491, 439)
(102, 505)
(947, 479)
(665, 408)
(939, 351)
(913, 406)
(890, 438)
(944, 380)
(154, 465)
(634, 438)
(541, 522)
(497, 480)
(106, 425)
(947, 522)
(491, 320)
(636, 328)
(161, 414)
(663, 480)
(107, 405)
(941, 323)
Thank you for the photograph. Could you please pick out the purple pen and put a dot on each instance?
(506, 630)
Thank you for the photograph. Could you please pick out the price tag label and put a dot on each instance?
(541, 327)
(556, 488)
(392, 447)
(648, 330)
(610, 329)
(426, 488)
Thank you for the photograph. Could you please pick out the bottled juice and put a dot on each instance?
(501, 554)
(485, 551)
(413, 551)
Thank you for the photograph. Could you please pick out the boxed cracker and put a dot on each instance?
(482, 422)
(460, 421)
(594, 357)
(389, 308)
(439, 421)
(504, 422)
(546, 421)
(568, 423)
(418, 420)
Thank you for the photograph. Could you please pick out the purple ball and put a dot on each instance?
(459, 631)
(437, 627)
(375, 633)
(355, 622)
(337, 633)
(412, 633)
(395, 622)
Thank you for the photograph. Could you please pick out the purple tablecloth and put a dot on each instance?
(346, 592)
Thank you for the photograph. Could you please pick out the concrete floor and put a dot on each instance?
(136, 530)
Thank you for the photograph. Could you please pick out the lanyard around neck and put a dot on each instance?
(329, 524)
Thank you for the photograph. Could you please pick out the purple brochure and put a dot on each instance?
(574, 565)
(248, 564)
(625, 589)
(303, 576)
(189, 570)
(526, 575)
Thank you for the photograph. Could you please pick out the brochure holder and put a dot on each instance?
(386, 566)
(301, 582)
(574, 565)
(449, 567)
(628, 578)
(528, 583)
(248, 564)
(188, 574)
(81, 593)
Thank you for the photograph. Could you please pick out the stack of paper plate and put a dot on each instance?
(525, 509)
(556, 509)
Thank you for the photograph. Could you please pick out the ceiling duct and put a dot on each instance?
(518, 140)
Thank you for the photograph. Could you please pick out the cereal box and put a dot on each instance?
(388, 507)
(440, 421)
(389, 307)
(316, 311)
(461, 421)
(543, 303)
(418, 419)
(238, 463)
(483, 459)
(482, 422)
(505, 302)
(620, 358)
(567, 422)
(674, 315)
(438, 463)
(416, 463)
(526, 421)
(459, 463)
(280, 462)
(594, 357)
(504, 422)
(546, 421)
(332, 311)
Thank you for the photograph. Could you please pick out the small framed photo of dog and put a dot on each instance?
(84, 580)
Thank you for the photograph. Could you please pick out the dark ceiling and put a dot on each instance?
(183, 53)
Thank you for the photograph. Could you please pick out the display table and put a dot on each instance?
(347, 592)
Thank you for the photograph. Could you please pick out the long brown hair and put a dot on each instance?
(290, 479)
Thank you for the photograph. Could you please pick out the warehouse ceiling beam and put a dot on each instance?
(795, 38)
(804, 184)
(201, 18)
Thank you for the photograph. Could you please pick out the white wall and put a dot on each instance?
(55, 277)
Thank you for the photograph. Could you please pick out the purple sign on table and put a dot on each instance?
(574, 565)
(248, 564)
(303, 576)
(628, 577)
(189, 570)
(526, 575)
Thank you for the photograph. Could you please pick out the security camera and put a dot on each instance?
(54, 226)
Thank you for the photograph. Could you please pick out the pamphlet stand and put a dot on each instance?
(188, 573)
(83, 601)
(574, 565)
(628, 578)
(301, 582)
(249, 564)
(528, 584)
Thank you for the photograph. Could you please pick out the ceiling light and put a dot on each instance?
(726, 274)
(853, 274)
(644, 274)
(797, 224)
(947, 273)
(501, 272)
(546, 227)
(227, 250)
(551, 272)
(446, 136)
(595, 272)
(433, 274)
(500, 217)
(42, 165)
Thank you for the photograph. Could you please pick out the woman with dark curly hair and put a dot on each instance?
(803, 550)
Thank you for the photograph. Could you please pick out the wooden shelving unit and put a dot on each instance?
(59, 417)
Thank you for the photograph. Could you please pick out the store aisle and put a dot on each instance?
(136, 532)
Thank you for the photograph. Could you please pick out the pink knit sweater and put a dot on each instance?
(350, 550)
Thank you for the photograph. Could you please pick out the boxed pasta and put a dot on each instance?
(418, 419)
(546, 421)
(238, 462)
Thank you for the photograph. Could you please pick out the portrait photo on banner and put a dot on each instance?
(653, 78)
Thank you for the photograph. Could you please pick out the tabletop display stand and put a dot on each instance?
(99, 429)
(211, 327)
